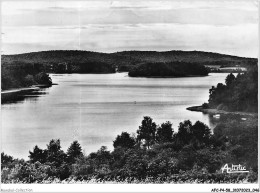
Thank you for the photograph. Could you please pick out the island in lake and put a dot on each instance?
(170, 69)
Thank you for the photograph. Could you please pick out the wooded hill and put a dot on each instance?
(60, 61)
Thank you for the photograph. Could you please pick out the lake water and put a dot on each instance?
(95, 108)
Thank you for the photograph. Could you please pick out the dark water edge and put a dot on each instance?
(221, 112)
(14, 96)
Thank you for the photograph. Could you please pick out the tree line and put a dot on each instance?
(155, 154)
(21, 74)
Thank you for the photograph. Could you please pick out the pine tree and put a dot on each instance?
(147, 131)
(38, 155)
(74, 151)
(54, 153)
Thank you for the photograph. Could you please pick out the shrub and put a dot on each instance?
(205, 105)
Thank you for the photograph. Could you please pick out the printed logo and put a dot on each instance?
(234, 169)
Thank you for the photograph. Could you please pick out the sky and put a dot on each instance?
(223, 26)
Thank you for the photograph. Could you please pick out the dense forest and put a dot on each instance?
(155, 154)
(205, 58)
(127, 58)
(171, 69)
(21, 74)
(239, 93)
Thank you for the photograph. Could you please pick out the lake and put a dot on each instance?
(95, 108)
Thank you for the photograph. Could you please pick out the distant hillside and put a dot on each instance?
(124, 61)
(69, 61)
(208, 58)
(60, 56)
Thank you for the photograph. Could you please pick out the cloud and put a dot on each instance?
(235, 40)
(220, 26)
(60, 13)
(122, 7)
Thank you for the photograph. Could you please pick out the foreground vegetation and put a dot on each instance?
(156, 155)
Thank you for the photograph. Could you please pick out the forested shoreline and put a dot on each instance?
(22, 75)
(239, 93)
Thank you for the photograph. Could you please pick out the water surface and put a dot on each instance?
(95, 108)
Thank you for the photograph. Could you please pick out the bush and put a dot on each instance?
(205, 105)
(83, 167)
(124, 140)
(29, 80)
(43, 78)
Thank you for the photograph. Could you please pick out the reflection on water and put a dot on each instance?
(29, 96)
(95, 108)
(212, 121)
